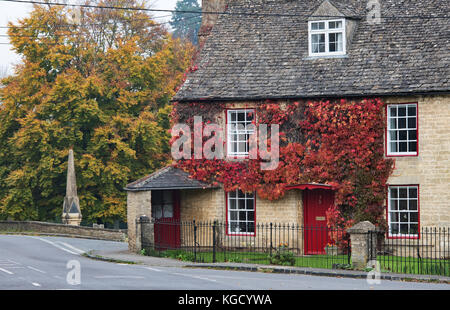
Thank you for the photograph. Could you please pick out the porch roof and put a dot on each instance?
(310, 186)
(167, 178)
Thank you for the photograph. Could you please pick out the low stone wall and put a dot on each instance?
(62, 230)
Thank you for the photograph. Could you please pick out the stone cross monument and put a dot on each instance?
(71, 209)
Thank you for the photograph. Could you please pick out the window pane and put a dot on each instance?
(335, 25)
(403, 135)
(242, 227)
(413, 146)
(242, 147)
(394, 229)
(233, 216)
(249, 203)
(394, 217)
(413, 229)
(335, 41)
(413, 205)
(404, 217)
(412, 135)
(242, 216)
(394, 193)
(157, 211)
(251, 216)
(413, 192)
(232, 194)
(394, 204)
(318, 43)
(157, 197)
(241, 194)
(232, 204)
(394, 147)
(233, 116)
(411, 110)
(317, 26)
(234, 147)
(411, 122)
(168, 197)
(403, 147)
(241, 116)
(250, 227)
(403, 192)
(241, 204)
(393, 123)
(168, 211)
(393, 110)
(234, 227)
(401, 111)
(393, 135)
(404, 229)
(402, 123)
(403, 204)
(414, 217)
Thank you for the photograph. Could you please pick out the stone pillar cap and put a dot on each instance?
(362, 227)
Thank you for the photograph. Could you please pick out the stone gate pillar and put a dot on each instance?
(145, 234)
(363, 238)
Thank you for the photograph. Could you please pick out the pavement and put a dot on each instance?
(56, 263)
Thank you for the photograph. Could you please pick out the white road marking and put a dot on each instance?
(6, 271)
(56, 245)
(36, 284)
(119, 277)
(153, 269)
(35, 269)
(194, 277)
(72, 247)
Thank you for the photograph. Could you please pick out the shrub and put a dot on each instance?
(282, 257)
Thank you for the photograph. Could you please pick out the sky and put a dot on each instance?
(12, 11)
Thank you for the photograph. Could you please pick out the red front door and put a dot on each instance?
(315, 204)
(166, 213)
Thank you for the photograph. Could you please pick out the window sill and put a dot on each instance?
(403, 155)
(313, 57)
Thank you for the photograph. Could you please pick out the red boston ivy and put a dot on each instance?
(336, 142)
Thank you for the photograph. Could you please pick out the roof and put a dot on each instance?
(266, 57)
(167, 178)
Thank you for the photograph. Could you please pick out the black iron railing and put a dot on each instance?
(426, 252)
(266, 243)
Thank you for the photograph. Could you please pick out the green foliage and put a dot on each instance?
(186, 25)
(235, 259)
(106, 94)
(282, 256)
(177, 254)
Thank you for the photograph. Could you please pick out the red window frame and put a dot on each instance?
(227, 223)
(388, 235)
(386, 131)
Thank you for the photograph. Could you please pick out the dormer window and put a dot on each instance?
(327, 37)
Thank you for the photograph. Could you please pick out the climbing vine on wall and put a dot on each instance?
(336, 142)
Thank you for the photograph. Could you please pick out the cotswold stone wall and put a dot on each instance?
(62, 230)
(431, 168)
(138, 203)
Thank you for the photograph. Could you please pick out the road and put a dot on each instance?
(41, 263)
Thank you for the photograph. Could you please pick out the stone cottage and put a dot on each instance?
(314, 49)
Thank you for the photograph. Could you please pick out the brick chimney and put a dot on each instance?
(208, 20)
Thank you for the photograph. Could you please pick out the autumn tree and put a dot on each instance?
(97, 80)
